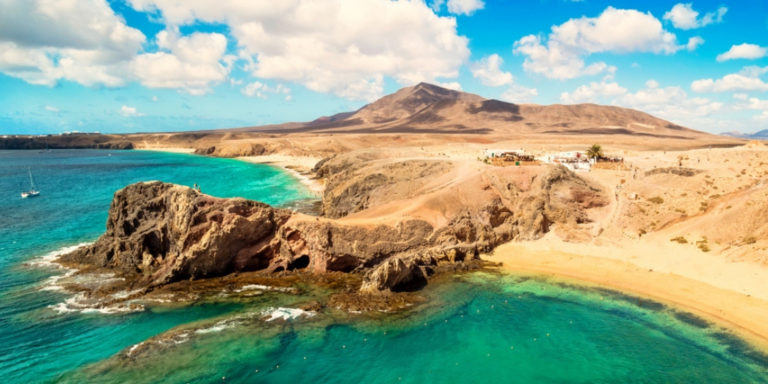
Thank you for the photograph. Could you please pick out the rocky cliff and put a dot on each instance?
(160, 233)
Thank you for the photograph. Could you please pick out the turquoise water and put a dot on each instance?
(477, 327)
(480, 328)
(36, 343)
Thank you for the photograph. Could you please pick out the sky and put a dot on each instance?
(175, 65)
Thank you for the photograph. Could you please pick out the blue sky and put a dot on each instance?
(170, 65)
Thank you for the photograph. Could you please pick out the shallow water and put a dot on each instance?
(477, 327)
(36, 342)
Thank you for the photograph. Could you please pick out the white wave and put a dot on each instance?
(48, 260)
(261, 287)
(133, 348)
(286, 313)
(219, 326)
(52, 283)
(124, 294)
(80, 303)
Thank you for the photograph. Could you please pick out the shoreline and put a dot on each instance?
(167, 149)
(300, 167)
(743, 314)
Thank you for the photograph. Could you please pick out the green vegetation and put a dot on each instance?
(595, 151)
(702, 244)
(656, 200)
(679, 239)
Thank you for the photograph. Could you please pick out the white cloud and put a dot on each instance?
(191, 63)
(753, 103)
(614, 30)
(51, 109)
(748, 79)
(694, 42)
(743, 51)
(436, 5)
(489, 73)
(261, 90)
(465, 7)
(593, 92)
(683, 16)
(44, 41)
(335, 46)
(129, 111)
(519, 94)
(455, 85)
(671, 103)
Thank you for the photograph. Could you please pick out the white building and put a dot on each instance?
(573, 160)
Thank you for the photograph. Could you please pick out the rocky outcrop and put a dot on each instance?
(234, 150)
(358, 181)
(160, 233)
(75, 140)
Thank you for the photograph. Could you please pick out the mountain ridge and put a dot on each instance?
(429, 108)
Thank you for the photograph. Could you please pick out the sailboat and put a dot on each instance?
(33, 192)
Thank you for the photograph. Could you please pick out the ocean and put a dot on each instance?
(473, 327)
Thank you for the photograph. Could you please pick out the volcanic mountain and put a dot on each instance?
(427, 108)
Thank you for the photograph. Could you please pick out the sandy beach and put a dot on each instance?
(731, 295)
(298, 166)
(167, 149)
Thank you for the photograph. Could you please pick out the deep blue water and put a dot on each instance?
(476, 328)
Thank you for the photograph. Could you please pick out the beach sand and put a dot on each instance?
(730, 294)
(167, 149)
(298, 166)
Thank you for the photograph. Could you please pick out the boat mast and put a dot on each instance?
(31, 180)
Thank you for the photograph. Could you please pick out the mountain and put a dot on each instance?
(759, 135)
(428, 108)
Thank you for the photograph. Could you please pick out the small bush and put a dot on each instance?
(679, 239)
(656, 200)
(702, 244)
(750, 240)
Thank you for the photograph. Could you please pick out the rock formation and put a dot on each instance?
(159, 233)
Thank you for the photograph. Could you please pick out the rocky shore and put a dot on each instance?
(159, 234)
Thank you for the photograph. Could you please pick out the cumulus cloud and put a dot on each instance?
(465, 7)
(752, 103)
(519, 94)
(671, 103)
(683, 16)
(44, 41)
(260, 90)
(458, 7)
(455, 85)
(694, 42)
(191, 63)
(334, 46)
(489, 72)
(560, 55)
(593, 92)
(130, 111)
(748, 79)
(743, 51)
